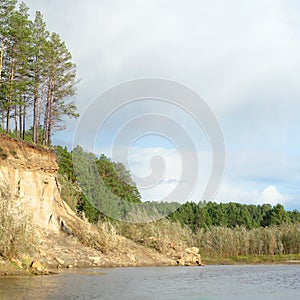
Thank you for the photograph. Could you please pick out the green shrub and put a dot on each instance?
(70, 192)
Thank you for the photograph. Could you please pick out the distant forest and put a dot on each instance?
(231, 215)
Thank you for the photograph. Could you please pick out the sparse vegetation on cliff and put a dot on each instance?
(17, 236)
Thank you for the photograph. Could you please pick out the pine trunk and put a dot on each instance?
(1, 58)
(35, 115)
(20, 121)
(45, 128)
(10, 94)
(36, 104)
(2, 118)
(16, 119)
(47, 118)
(24, 120)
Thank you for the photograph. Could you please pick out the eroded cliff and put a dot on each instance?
(31, 174)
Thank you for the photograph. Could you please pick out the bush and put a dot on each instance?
(17, 236)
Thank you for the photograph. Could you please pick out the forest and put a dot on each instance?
(203, 215)
(37, 76)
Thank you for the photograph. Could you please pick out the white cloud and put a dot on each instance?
(272, 196)
(269, 195)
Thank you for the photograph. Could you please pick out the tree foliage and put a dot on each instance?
(118, 179)
(231, 215)
(104, 185)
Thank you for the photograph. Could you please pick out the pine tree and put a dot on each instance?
(22, 64)
(17, 35)
(7, 7)
(39, 69)
(37, 75)
(61, 75)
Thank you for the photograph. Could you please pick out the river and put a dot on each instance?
(207, 283)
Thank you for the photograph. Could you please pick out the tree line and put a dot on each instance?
(37, 75)
(230, 215)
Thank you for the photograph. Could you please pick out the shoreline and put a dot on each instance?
(8, 269)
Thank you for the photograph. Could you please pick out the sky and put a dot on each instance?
(241, 57)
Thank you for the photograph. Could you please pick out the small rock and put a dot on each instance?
(190, 257)
(36, 265)
(70, 266)
(197, 259)
(192, 250)
(95, 259)
(65, 228)
(181, 262)
(60, 261)
(131, 257)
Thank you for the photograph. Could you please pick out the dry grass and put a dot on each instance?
(101, 237)
(158, 235)
(17, 236)
(222, 242)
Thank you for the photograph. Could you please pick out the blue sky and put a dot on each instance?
(242, 57)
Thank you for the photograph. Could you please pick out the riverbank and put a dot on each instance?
(14, 269)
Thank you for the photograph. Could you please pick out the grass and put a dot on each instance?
(254, 259)
(9, 269)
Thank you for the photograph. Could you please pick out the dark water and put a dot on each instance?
(210, 282)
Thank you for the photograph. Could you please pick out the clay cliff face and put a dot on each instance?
(30, 172)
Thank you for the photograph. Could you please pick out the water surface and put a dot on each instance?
(207, 283)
